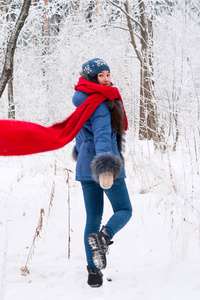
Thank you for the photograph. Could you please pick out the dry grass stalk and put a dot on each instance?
(25, 271)
(68, 201)
(196, 154)
(53, 189)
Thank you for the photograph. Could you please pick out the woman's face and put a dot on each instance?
(104, 78)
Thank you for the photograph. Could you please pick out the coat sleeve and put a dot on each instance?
(104, 160)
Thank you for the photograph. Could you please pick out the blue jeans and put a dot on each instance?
(94, 202)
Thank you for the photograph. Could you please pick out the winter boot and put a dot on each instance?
(99, 243)
(95, 278)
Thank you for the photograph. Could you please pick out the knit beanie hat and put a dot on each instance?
(94, 67)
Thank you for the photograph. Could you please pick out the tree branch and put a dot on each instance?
(8, 65)
(127, 14)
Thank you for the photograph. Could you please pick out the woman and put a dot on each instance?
(99, 168)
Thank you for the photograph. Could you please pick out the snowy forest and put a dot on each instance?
(153, 50)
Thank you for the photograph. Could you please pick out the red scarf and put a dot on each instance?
(22, 138)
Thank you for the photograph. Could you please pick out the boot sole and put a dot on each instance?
(95, 285)
(99, 258)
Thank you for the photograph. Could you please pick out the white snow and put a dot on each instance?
(156, 256)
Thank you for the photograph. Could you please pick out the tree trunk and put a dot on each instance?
(143, 106)
(11, 104)
(7, 72)
(147, 124)
(97, 8)
(147, 128)
(46, 29)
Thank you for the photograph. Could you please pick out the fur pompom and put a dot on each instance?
(106, 163)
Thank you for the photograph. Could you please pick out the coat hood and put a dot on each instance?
(79, 97)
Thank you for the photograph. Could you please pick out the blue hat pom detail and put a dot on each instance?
(94, 67)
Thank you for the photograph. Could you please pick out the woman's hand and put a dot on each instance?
(106, 180)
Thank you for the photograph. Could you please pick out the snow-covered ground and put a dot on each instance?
(156, 256)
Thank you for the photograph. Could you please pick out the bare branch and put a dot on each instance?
(8, 65)
(120, 27)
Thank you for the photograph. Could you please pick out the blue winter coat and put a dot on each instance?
(96, 144)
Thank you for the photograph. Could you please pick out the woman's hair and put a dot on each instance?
(117, 117)
(87, 77)
(95, 79)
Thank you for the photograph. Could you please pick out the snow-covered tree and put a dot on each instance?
(7, 72)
